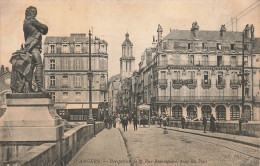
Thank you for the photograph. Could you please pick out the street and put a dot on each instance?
(149, 146)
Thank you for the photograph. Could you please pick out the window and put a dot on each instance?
(191, 60)
(246, 60)
(203, 46)
(65, 81)
(246, 91)
(52, 81)
(163, 74)
(65, 48)
(52, 95)
(233, 61)
(246, 47)
(130, 65)
(220, 77)
(126, 65)
(65, 96)
(52, 47)
(232, 46)
(77, 64)
(189, 46)
(218, 46)
(176, 75)
(52, 64)
(77, 48)
(219, 61)
(77, 81)
(205, 60)
(65, 64)
(192, 75)
(78, 96)
(127, 50)
(206, 77)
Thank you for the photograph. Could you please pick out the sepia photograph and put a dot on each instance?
(129, 82)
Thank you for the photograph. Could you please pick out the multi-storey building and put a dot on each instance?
(66, 61)
(5, 80)
(194, 72)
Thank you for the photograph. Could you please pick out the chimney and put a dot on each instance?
(195, 29)
(2, 69)
(153, 39)
(223, 30)
(252, 32)
(247, 29)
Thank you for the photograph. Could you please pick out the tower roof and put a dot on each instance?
(127, 42)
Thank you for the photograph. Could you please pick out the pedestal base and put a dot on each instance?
(30, 117)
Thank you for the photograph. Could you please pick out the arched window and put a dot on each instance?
(192, 112)
(234, 112)
(177, 112)
(206, 110)
(221, 112)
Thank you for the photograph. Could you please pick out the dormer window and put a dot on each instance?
(65, 48)
(77, 48)
(52, 48)
(218, 46)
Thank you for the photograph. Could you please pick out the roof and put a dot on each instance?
(113, 78)
(127, 42)
(257, 45)
(71, 39)
(203, 35)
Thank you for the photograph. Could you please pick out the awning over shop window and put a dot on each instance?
(93, 106)
(143, 107)
(74, 106)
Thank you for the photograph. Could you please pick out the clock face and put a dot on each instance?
(7, 80)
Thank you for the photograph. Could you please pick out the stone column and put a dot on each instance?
(199, 114)
(214, 112)
(184, 111)
(228, 113)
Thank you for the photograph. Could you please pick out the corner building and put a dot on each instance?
(66, 63)
(196, 72)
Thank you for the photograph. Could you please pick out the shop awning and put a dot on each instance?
(93, 106)
(143, 107)
(74, 106)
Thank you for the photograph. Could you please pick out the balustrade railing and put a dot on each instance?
(198, 98)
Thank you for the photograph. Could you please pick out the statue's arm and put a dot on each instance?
(39, 26)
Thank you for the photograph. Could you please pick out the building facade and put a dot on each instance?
(66, 61)
(195, 72)
(5, 80)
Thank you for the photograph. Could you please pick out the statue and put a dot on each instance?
(28, 58)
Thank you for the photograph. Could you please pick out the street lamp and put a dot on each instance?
(90, 78)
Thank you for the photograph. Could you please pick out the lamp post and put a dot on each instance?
(90, 78)
(242, 118)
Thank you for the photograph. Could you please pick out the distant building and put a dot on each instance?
(5, 80)
(66, 62)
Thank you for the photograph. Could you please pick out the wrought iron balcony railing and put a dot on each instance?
(235, 83)
(198, 98)
(206, 83)
(220, 83)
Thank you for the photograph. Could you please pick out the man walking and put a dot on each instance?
(204, 122)
(212, 123)
(125, 123)
(135, 120)
(183, 122)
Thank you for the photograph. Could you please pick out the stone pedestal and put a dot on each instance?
(30, 117)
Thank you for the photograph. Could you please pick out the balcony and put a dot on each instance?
(162, 83)
(220, 84)
(210, 99)
(234, 84)
(177, 84)
(191, 83)
(206, 84)
(103, 87)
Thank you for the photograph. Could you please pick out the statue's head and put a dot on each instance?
(31, 11)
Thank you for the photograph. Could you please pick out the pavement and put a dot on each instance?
(251, 141)
(106, 149)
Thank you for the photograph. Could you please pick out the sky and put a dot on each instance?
(112, 19)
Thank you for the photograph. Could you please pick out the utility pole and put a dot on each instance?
(170, 98)
(90, 78)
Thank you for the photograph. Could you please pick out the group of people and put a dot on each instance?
(212, 120)
(109, 120)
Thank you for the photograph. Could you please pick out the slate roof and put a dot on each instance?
(71, 39)
(257, 45)
(203, 35)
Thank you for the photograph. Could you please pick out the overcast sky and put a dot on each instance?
(112, 19)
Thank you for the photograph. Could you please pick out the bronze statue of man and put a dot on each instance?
(33, 31)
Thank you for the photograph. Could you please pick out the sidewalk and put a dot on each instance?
(107, 148)
(252, 141)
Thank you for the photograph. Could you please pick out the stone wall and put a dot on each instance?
(248, 129)
(60, 152)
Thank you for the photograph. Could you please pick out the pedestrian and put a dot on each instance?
(204, 122)
(125, 123)
(183, 122)
(212, 124)
(160, 121)
(135, 120)
(164, 121)
(130, 119)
